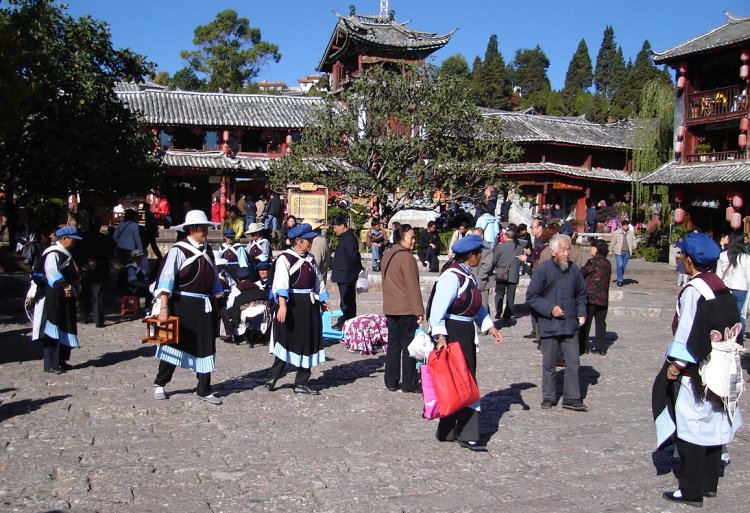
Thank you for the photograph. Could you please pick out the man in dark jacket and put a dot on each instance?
(274, 209)
(557, 296)
(347, 263)
(93, 257)
(429, 247)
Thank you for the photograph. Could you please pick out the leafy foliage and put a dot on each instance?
(530, 70)
(230, 52)
(580, 75)
(62, 127)
(393, 132)
(491, 80)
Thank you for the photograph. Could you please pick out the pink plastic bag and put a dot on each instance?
(431, 409)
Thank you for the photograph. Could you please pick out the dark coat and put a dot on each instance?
(568, 292)
(597, 273)
(347, 262)
(505, 256)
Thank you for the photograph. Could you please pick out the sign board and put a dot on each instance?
(214, 179)
(308, 205)
(566, 186)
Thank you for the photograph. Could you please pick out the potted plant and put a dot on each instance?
(702, 149)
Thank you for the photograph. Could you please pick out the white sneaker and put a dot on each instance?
(159, 393)
(210, 398)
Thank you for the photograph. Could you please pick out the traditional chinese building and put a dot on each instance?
(217, 144)
(710, 163)
(359, 41)
(568, 161)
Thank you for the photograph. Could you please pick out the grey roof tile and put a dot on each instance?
(523, 127)
(220, 109)
(733, 32)
(673, 173)
(607, 175)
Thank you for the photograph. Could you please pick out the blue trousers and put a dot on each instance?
(622, 264)
(739, 296)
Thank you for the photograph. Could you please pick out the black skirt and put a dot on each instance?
(297, 340)
(464, 332)
(197, 327)
(59, 321)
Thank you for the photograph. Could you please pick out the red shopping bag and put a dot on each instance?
(454, 385)
(429, 398)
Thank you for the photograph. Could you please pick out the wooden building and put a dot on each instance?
(359, 41)
(710, 164)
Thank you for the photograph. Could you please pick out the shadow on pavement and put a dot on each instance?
(496, 404)
(347, 373)
(114, 358)
(587, 376)
(13, 408)
(16, 346)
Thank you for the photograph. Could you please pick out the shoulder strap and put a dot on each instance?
(702, 287)
(300, 261)
(196, 254)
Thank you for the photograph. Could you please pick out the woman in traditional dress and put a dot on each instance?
(258, 249)
(456, 307)
(55, 313)
(185, 286)
(300, 294)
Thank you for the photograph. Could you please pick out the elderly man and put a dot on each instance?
(483, 272)
(557, 296)
(347, 263)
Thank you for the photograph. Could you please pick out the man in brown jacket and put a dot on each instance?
(403, 308)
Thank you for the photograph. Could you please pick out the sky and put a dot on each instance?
(159, 29)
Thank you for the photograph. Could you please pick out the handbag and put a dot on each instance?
(421, 345)
(454, 385)
(502, 273)
(363, 281)
(430, 409)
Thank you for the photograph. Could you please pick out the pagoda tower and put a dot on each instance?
(359, 41)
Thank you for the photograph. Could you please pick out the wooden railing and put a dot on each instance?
(725, 102)
(719, 155)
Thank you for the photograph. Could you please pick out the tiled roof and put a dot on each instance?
(522, 127)
(218, 160)
(607, 175)
(734, 31)
(384, 33)
(700, 172)
(220, 109)
(122, 87)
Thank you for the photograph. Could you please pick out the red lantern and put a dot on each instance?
(679, 215)
(736, 221)
(742, 140)
(681, 83)
(226, 149)
(730, 213)
(155, 131)
(683, 67)
(737, 201)
(744, 124)
(197, 130)
(744, 71)
(225, 135)
(745, 55)
(678, 147)
(680, 132)
(679, 195)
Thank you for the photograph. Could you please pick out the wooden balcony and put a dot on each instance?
(716, 105)
(713, 157)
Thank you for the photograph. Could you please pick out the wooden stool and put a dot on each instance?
(167, 332)
(130, 305)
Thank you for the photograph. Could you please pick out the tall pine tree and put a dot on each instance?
(530, 71)
(580, 73)
(491, 79)
(607, 65)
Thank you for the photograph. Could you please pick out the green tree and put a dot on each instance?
(607, 64)
(530, 70)
(389, 133)
(580, 74)
(162, 78)
(644, 71)
(230, 52)
(456, 66)
(186, 80)
(62, 127)
(492, 84)
(598, 109)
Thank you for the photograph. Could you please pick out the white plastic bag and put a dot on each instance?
(421, 345)
(363, 282)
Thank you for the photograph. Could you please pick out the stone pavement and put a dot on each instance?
(94, 440)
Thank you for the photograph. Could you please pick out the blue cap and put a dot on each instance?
(566, 229)
(303, 230)
(68, 231)
(700, 248)
(263, 264)
(229, 233)
(468, 244)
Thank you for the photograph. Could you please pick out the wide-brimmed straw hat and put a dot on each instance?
(195, 218)
(254, 228)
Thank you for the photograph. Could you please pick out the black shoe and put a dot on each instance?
(473, 446)
(338, 326)
(228, 340)
(546, 405)
(530, 335)
(575, 406)
(392, 389)
(304, 389)
(270, 385)
(682, 500)
(619, 284)
(710, 495)
(65, 366)
(56, 370)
